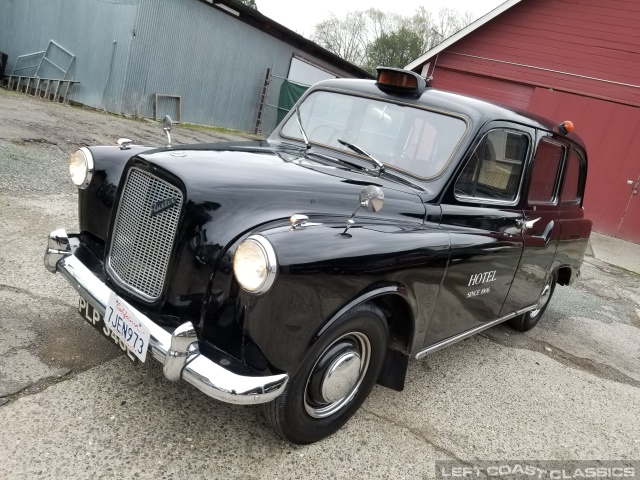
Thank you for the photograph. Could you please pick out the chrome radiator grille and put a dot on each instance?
(143, 233)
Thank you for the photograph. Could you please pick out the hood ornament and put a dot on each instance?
(371, 199)
(299, 221)
(125, 143)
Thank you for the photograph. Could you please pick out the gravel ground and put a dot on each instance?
(72, 407)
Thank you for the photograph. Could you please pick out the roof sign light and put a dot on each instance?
(400, 81)
(565, 127)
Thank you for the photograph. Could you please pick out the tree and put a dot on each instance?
(372, 37)
(394, 49)
(346, 38)
(450, 21)
(249, 3)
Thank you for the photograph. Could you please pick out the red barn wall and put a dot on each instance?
(573, 60)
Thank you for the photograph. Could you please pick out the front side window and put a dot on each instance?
(546, 172)
(494, 170)
(414, 140)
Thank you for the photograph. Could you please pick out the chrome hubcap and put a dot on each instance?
(337, 375)
(341, 377)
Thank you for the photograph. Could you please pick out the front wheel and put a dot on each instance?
(528, 320)
(334, 380)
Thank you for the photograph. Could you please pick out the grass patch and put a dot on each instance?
(229, 131)
(6, 91)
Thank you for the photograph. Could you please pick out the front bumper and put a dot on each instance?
(178, 352)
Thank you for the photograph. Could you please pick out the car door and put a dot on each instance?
(574, 228)
(482, 210)
(540, 227)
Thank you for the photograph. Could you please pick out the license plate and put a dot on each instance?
(120, 325)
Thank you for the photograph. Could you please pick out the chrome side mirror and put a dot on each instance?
(166, 126)
(371, 199)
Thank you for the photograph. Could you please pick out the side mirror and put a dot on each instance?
(372, 198)
(166, 126)
(167, 123)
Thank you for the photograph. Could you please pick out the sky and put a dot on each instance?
(302, 16)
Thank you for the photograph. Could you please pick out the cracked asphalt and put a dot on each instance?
(71, 406)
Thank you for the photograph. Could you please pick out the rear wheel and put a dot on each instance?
(528, 320)
(334, 380)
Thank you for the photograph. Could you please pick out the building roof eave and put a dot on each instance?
(460, 34)
(258, 20)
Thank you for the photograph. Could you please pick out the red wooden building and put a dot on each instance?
(575, 60)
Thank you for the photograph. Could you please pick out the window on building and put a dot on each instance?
(546, 172)
(495, 168)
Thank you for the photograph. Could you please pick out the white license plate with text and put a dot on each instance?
(120, 318)
(120, 324)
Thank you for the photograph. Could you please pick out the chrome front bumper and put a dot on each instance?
(178, 352)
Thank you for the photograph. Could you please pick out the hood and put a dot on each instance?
(232, 190)
(235, 188)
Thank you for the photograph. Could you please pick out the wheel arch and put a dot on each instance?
(398, 307)
(565, 275)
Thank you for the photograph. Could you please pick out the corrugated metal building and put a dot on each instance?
(213, 54)
(573, 60)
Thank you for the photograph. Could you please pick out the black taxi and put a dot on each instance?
(382, 220)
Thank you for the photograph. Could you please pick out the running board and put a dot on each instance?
(461, 336)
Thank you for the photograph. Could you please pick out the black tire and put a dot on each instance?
(528, 320)
(291, 415)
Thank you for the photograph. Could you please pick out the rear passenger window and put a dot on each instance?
(546, 172)
(573, 173)
(494, 170)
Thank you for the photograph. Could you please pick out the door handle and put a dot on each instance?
(546, 235)
(526, 223)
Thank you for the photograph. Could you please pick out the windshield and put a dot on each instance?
(417, 141)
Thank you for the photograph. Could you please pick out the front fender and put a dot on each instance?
(370, 293)
(323, 272)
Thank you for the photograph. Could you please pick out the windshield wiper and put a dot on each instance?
(357, 149)
(351, 146)
(304, 135)
(329, 158)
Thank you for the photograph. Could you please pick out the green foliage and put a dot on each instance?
(370, 38)
(395, 49)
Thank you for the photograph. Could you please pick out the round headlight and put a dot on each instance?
(81, 167)
(255, 264)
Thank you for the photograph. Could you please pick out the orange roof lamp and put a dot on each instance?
(565, 127)
(396, 80)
